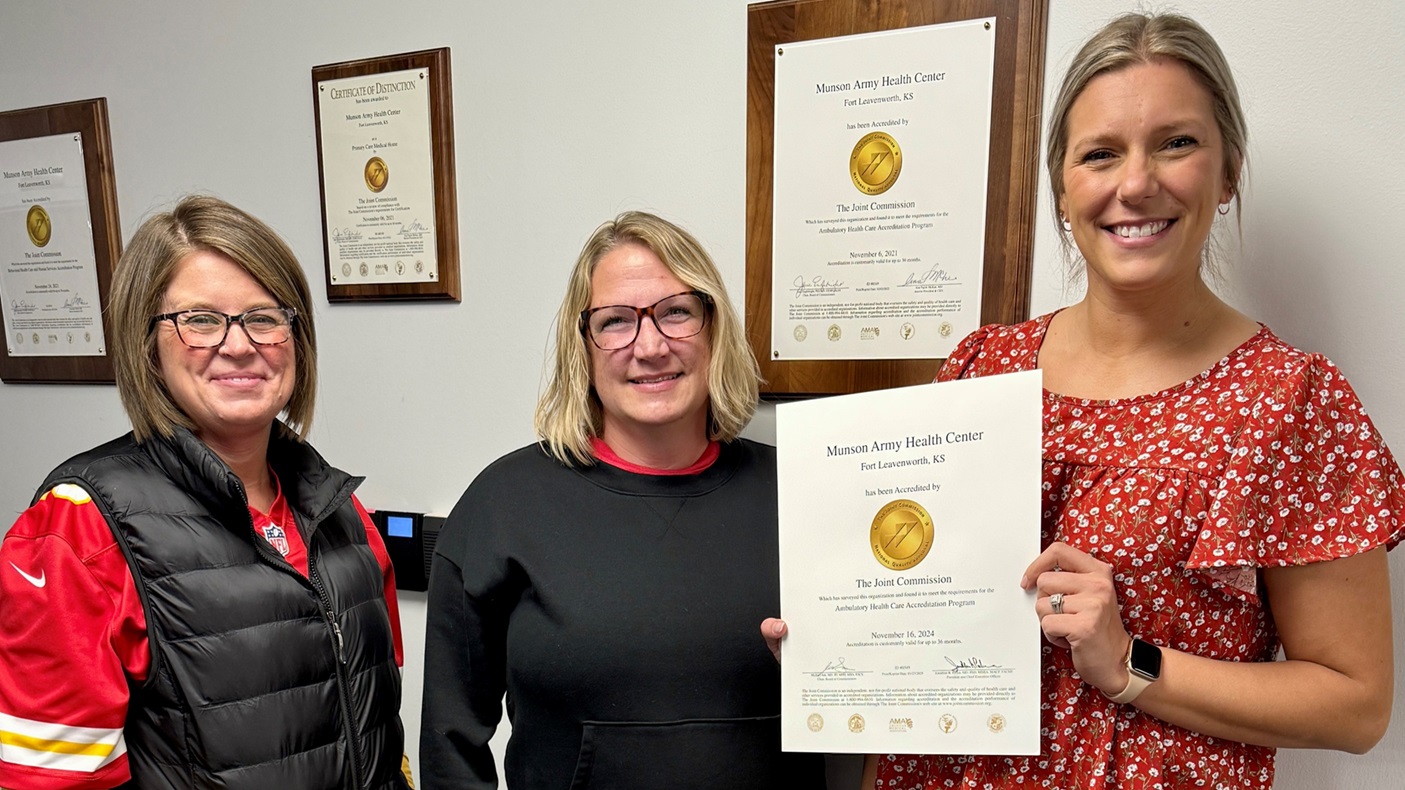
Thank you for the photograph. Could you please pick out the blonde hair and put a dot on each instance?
(200, 223)
(1137, 38)
(568, 412)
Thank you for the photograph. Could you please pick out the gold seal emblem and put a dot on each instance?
(875, 163)
(801, 332)
(37, 223)
(835, 333)
(945, 329)
(901, 534)
(377, 174)
(947, 723)
(815, 722)
(856, 723)
(996, 722)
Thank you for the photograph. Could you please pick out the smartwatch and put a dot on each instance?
(1143, 669)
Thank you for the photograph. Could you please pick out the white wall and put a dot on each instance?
(568, 112)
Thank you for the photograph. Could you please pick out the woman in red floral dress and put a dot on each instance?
(1210, 493)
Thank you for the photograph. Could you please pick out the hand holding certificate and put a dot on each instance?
(906, 519)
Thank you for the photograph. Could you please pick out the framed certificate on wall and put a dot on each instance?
(385, 156)
(59, 240)
(892, 170)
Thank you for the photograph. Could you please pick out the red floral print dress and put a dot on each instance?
(1264, 460)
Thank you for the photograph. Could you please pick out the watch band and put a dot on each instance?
(1138, 678)
(1136, 684)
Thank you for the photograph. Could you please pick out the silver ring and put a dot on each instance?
(1056, 602)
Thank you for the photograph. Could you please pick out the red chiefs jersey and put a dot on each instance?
(73, 636)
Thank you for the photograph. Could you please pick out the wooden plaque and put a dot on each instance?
(1012, 180)
(350, 286)
(88, 120)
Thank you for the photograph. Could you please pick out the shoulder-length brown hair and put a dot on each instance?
(569, 412)
(200, 223)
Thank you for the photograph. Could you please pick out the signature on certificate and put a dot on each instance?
(816, 286)
(967, 663)
(837, 668)
(413, 227)
(340, 236)
(936, 274)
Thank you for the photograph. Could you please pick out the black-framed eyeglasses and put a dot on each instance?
(266, 326)
(616, 326)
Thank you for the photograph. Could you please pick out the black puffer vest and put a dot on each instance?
(260, 678)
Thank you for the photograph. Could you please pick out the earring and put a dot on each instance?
(1224, 207)
(1068, 226)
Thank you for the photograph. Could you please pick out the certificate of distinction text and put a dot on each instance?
(907, 517)
(378, 178)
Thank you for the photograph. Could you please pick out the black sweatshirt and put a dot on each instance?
(620, 614)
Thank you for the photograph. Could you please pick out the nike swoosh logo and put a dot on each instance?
(37, 581)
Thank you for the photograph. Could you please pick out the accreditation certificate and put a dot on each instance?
(49, 279)
(882, 149)
(907, 517)
(378, 178)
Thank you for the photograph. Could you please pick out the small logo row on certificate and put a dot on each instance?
(381, 269)
(946, 723)
(52, 338)
(907, 331)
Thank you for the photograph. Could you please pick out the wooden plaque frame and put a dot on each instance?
(1013, 179)
(446, 213)
(88, 119)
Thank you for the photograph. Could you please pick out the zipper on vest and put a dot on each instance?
(352, 741)
(341, 648)
(329, 615)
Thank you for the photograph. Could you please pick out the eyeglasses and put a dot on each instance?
(616, 326)
(266, 326)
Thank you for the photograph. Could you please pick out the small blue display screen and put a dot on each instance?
(400, 526)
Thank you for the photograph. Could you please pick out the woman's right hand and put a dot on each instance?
(774, 631)
(1089, 622)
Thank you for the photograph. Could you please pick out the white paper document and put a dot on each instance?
(907, 517)
(48, 268)
(378, 178)
(882, 152)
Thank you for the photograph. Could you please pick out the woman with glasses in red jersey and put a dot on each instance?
(608, 578)
(202, 602)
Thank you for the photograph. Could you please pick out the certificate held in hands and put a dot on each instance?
(907, 517)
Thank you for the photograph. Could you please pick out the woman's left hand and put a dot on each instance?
(1090, 624)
